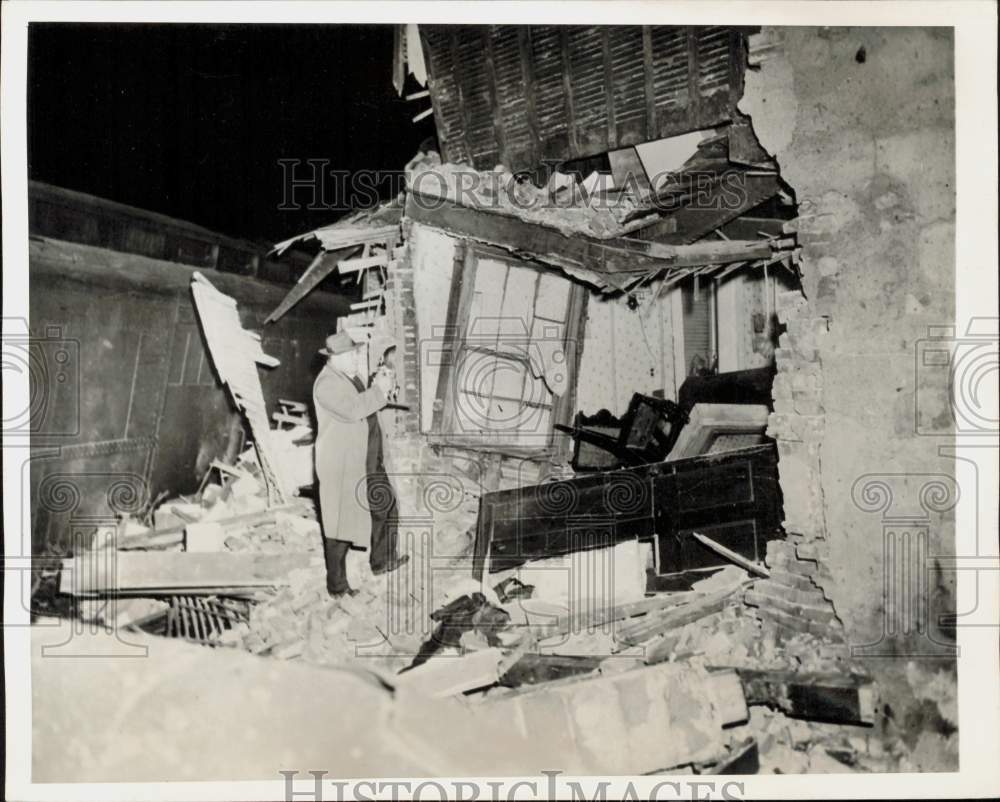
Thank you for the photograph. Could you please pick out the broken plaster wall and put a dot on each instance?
(625, 350)
(861, 122)
(630, 348)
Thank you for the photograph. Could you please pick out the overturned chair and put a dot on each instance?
(645, 434)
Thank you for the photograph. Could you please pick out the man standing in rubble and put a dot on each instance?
(342, 440)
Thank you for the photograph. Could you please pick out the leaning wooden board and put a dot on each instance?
(170, 573)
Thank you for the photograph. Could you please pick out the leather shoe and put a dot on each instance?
(392, 565)
(341, 594)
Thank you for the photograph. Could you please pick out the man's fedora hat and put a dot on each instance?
(339, 343)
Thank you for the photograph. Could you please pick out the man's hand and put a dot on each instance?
(385, 380)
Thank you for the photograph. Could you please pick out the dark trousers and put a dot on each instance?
(382, 503)
(335, 555)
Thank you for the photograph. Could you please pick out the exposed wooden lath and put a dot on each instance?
(523, 94)
(338, 244)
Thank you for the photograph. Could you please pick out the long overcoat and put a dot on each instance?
(341, 446)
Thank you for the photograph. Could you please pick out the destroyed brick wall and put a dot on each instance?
(437, 489)
(861, 122)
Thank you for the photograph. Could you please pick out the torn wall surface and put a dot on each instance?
(878, 275)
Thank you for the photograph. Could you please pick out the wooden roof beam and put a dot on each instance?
(607, 257)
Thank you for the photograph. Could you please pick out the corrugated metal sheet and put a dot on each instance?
(523, 94)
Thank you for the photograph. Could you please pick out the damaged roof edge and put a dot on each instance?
(615, 263)
(609, 265)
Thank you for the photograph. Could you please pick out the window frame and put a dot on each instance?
(443, 423)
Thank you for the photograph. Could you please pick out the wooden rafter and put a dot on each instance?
(606, 260)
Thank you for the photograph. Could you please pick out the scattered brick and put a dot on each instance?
(823, 615)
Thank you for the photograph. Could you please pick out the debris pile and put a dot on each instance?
(745, 666)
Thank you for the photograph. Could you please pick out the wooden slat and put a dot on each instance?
(652, 127)
(363, 263)
(489, 65)
(578, 83)
(731, 555)
(324, 264)
(694, 93)
(655, 624)
(620, 612)
(609, 89)
(528, 76)
(568, 89)
(463, 106)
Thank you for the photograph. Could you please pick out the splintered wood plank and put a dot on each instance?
(320, 267)
(532, 669)
(732, 556)
(657, 623)
(587, 619)
(235, 353)
(363, 263)
(609, 258)
(106, 571)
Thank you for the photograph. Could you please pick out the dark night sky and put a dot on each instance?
(191, 120)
